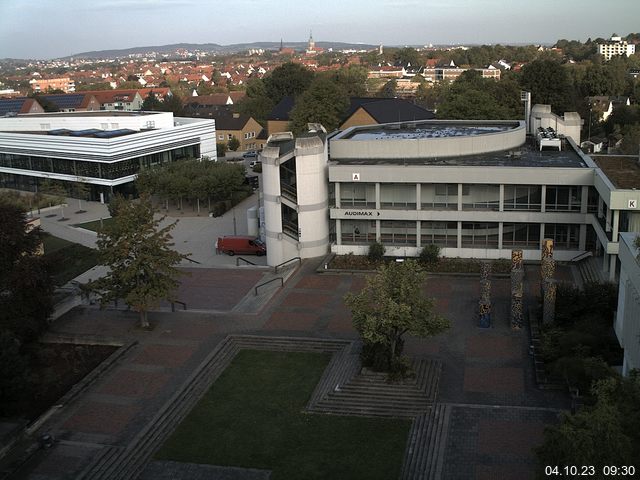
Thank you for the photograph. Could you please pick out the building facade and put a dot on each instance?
(66, 84)
(615, 47)
(103, 149)
(627, 322)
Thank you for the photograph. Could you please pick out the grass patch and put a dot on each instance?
(95, 225)
(67, 259)
(252, 417)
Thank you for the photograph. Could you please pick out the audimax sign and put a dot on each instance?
(361, 213)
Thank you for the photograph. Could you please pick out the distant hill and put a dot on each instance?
(216, 48)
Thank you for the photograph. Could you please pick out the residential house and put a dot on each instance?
(66, 84)
(19, 105)
(374, 111)
(126, 100)
(242, 127)
(73, 102)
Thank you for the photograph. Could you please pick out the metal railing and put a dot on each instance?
(268, 282)
(581, 256)
(193, 261)
(173, 305)
(244, 260)
(275, 270)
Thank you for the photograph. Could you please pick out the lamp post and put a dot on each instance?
(590, 123)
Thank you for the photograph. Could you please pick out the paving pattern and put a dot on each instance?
(486, 417)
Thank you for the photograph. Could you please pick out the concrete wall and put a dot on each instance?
(627, 322)
(344, 148)
(568, 125)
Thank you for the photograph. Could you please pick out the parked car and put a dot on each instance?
(240, 244)
(253, 163)
(250, 154)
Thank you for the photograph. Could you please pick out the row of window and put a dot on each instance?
(81, 168)
(474, 197)
(445, 234)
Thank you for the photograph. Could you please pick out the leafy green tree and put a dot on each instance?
(81, 192)
(407, 55)
(549, 83)
(352, 80)
(13, 366)
(631, 139)
(142, 264)
(256, 103)
(388, 89)
(605, 434)
(324, 102)
(173, 104)
(393, 304)
(289, 79)
(93, 86)
(151, 103)
(25, 283)
(221, 149)
(233, 144)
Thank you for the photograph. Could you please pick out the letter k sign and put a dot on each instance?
(633, 204)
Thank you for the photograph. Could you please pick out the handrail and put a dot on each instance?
(244, 260)
(267, 282)
(193, 261)
(173, 305)
(582, 256)
(275, 270)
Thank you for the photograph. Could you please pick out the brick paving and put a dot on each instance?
(486, 368)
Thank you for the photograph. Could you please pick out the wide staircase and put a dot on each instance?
(590, 270)
(350, 391)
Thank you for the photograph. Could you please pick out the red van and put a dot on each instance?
(242, 245)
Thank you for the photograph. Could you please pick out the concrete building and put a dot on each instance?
(614, 47)
(477, 189)
(66, 84)
(103, 149)
(627, 322)
(295, 195)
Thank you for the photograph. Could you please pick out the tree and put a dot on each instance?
(81, 191)
(142, 265)
(388, 89)
(233, 144)
(289, 79)
(151, 103)
(93, 86)
(25, 283)
(324, 102)
(407, 56)
(549, 84)
(391, 305)
(605, 434)
(256, 103)
(221, 149)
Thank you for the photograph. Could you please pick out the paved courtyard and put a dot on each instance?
(497, 414)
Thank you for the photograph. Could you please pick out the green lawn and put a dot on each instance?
(252, 417)
(95, 225)
(67, 259)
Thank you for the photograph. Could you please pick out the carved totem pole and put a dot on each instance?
(485, 295)
(548, 285)
(517, 289)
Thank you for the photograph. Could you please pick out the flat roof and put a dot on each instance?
(408, 131)
(623, 171)
(91, 113)
(526, 155)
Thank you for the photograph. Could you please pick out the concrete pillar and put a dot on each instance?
(543, 198)
(459, 200)
(616, 224)
(584, 199)
(608, 221)
(418, 228)
(500, 232)
(378, 237)
(612, 267)
(377, 196)
(459, 234)
(418, 196)
(605, 260)
(501, 200)
(600, 207)
(582, 241)
(337, 194)
(338, 232)
(541, 235)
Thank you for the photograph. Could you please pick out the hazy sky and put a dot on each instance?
(56, 28)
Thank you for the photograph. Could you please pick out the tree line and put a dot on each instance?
(219, 184)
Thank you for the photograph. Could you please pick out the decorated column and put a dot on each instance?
(548, 287)
(485, 295)
(517, 289)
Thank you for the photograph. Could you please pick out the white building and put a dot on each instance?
(477, 189)
(104, 149)
(614, 47)
(627, 323)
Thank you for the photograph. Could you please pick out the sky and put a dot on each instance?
(56, 28)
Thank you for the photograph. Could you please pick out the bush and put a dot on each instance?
(376, 252)
(429, 254)
(221, 149)
(13, 366)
